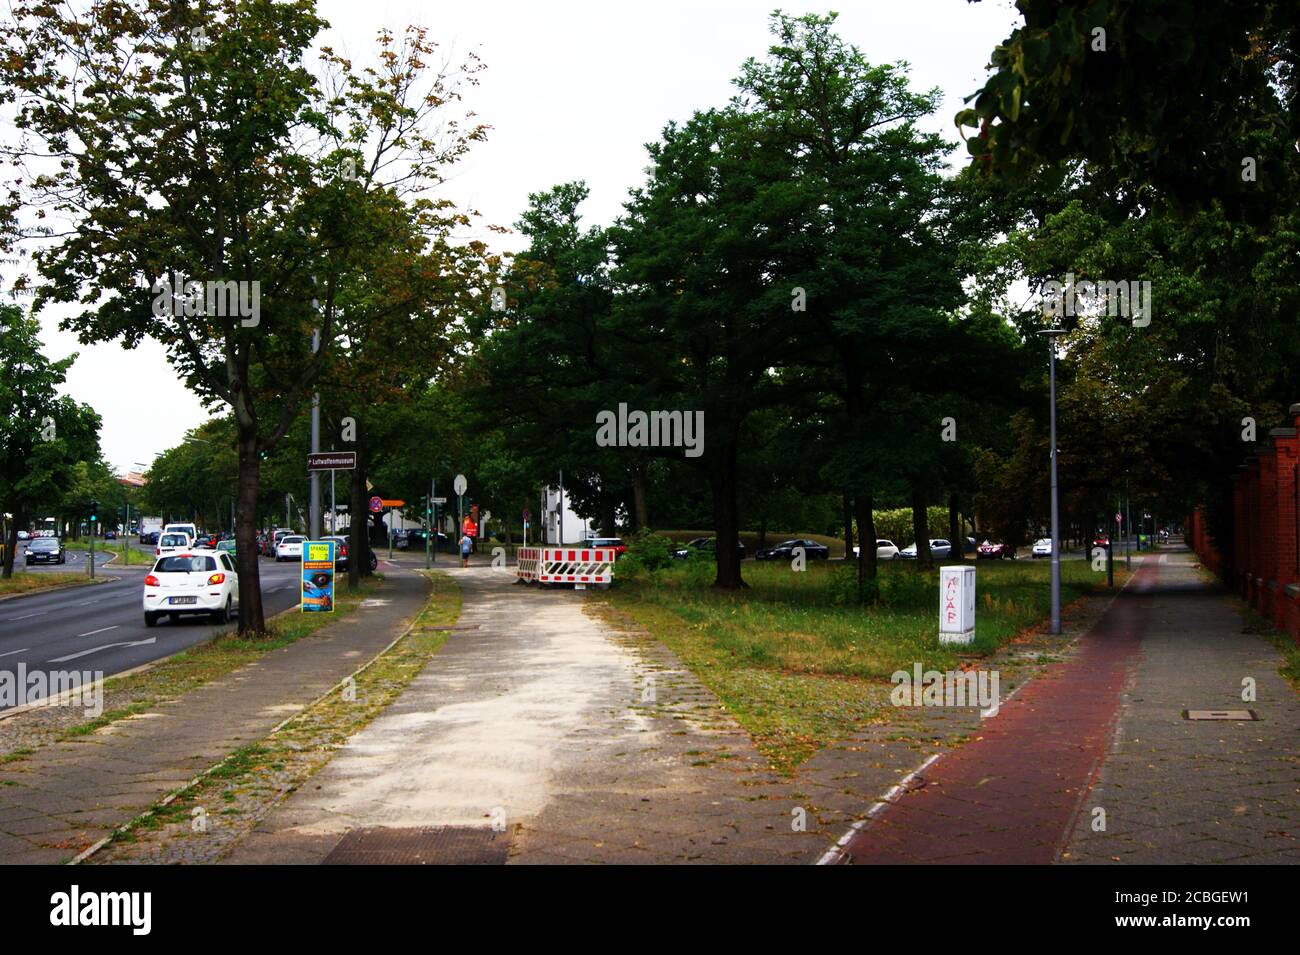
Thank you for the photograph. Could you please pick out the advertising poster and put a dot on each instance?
(318, 576)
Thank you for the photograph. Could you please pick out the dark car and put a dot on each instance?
(992, 550)
(149, 537)
(110, 535)
(46, 550)
(705, 546)
(341, 558)
(785, 551)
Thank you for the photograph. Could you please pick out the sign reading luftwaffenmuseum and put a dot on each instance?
(332, 461)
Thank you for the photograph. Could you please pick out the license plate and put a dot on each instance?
(184, 600)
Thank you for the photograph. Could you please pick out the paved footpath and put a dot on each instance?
(1100, 740)
(67, 795)
(538, 734)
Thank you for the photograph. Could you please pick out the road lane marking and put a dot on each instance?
(26, 615)
(100, 630)
(107, 646)
(12, 652)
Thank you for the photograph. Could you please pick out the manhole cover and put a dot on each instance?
(1233, 715)
(441, 845)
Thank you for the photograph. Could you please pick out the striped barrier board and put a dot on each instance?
(566, 565)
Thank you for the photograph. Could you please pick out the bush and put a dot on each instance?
(648, 551)
(843, 586)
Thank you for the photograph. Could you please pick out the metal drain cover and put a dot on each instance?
(1231, 715)
(440, 845)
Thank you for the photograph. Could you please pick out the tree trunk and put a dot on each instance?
(920, 527)
(11, 544)
(762, 531)
(866, 542)
(358, 515)
(955, 530)
(848, 527)
(726, 515)
(252, 621)
(640, 512)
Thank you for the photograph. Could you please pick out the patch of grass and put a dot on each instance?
(27, 583)
(799, 666)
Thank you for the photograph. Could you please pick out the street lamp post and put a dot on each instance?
(1051, 334)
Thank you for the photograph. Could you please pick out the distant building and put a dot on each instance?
(558, 522)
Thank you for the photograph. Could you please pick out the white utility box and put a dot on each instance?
(957, 604)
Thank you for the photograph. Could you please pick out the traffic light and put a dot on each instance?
(94, 511)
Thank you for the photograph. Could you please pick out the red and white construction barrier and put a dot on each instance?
(566, 565)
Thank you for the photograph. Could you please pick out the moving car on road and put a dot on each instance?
(785, 551)
(171, 542)
(289, 548)
(191, 583)
(46, 550)
(993, 550)
(189, 530)
(1042, 547)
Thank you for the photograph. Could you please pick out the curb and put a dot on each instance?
(177, 793)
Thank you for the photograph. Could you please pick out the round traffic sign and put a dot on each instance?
(460, 484)
(376, 504)
(527, 514)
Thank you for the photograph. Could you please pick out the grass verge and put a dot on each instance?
(27, 583)
(247, 784)
(799, 666)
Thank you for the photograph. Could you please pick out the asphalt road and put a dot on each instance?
(101, 627)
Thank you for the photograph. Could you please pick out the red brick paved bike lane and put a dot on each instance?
(1010, 794)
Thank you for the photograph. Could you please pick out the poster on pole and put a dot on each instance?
(318, 576)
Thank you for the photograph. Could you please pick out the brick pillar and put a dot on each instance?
(1239, 531)
(1266, 545)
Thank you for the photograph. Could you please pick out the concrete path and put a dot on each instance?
(65, 796)
(538, 725)
(1105, 731)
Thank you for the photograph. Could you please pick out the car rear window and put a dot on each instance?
(291, 540)
(174, 540)
(188, 564)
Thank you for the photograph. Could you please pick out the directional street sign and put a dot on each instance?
(440, 500)
(332, 461)
(388, 503)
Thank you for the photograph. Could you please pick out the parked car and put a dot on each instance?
(994, 550)
(289, 548)
(46, 550)
(110, 535)
(342, 559)
(785, 551)
(191, 583)
(938, 548)
(149, 537)
(23, 535)
(1042, 547)
(705, 546)
(885, 550)
(615, 542)
(226, 546)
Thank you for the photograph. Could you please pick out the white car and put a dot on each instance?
(1042, 547)
(189, 530)
(171, 542)
(885, 550)
(289, 548)
(191, 582)
(939, 548)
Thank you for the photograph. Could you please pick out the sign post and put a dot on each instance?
(318, 576)
(957, 604)
(526, 515)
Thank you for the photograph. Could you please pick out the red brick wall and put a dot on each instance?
(1266, 530)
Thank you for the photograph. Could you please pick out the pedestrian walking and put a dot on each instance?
(466, 545)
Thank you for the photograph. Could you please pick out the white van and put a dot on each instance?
(188, 529)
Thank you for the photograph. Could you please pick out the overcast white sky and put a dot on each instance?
(572, 90)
